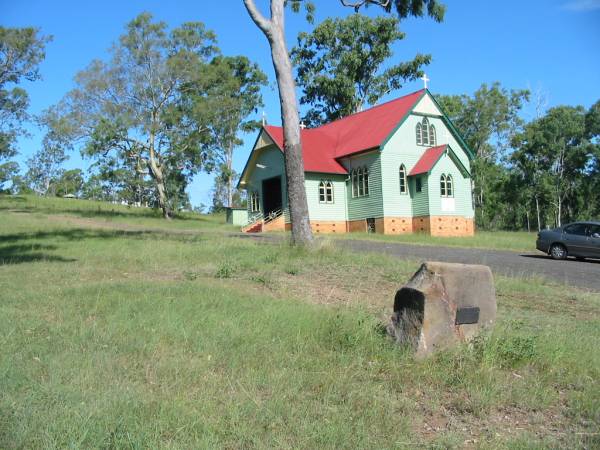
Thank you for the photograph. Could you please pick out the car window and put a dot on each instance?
(576, 229)
(594, 229)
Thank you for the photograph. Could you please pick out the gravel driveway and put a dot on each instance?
(582, 274)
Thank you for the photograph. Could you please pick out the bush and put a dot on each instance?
(507, 347)
(225, 270)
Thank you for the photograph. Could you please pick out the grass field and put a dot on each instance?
(119, 330)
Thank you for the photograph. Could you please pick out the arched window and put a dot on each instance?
(325, 192)
(446, 187)
(321, 192)
(360, 182)
(419, 141)
(254, 202)
(403, 179)
(443, 185)
(329, 192)
(361, 179)
(425, 133)
(432, 137)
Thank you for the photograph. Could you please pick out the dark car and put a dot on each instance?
(579, 239)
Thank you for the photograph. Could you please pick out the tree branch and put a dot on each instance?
(261, 21)
(357, 4)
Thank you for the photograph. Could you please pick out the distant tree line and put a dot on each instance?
(529, 175)
(163, 107)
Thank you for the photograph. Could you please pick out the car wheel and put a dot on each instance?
(558, 251)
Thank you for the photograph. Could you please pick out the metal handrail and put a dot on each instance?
(273, 215)
(256, 217)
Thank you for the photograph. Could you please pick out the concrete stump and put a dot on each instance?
(442, 305)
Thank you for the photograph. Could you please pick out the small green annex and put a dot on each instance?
(399, 167)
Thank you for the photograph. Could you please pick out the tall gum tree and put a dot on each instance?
(21, 52)
(274, 30)
(139, 105)
(340, 65)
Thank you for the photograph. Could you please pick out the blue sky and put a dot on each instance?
(550, 45)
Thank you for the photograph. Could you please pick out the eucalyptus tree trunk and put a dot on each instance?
(159, 179)
(229, 163)
(537, 209)
(273, 29)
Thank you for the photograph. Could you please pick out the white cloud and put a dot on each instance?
(582, 5)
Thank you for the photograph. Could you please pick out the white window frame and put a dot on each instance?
(425, 131)
(432, 136)
(443, 190)
(446, 186)
(329, 197)
(321, 192)
(449, 186)
(403, 180)
(360, 182)
(254, 202)
(326, 191)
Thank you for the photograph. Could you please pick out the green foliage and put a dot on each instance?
(44, 168)
(509, 347)
(225, 270)
(230, 94)
(8, 171)
(339, 65)
(70, 183)
(555, 156)
(21, 52)
(404, 8)
(140, 109)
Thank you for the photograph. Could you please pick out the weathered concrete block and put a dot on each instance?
(442, 305)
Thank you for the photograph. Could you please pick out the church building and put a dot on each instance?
(399, 167)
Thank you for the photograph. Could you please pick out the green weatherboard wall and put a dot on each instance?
(335, 211)
(402, 148)
(370, 205)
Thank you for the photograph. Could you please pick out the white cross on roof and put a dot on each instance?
(425, 80)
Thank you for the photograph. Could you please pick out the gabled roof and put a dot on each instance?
(322, 146)
(317, 153)
(430, 158)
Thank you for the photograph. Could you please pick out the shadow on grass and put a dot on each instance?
(18, 254)
(131, 212)
(79, 234)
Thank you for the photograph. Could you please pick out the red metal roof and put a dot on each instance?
(317, 152)
(428, 160)
(322, 146)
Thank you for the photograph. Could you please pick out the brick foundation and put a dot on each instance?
(445, 226)
(397, 225)
(451, 226)
(421, 224)
(357, 226)
(328, 227)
